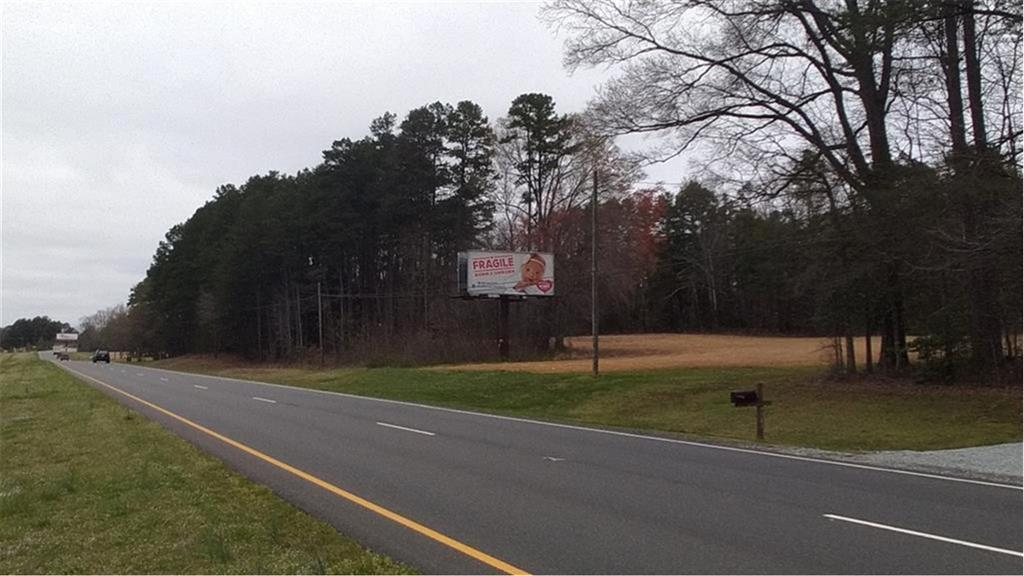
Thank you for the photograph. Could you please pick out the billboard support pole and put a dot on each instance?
(503, 348)
(593, 276)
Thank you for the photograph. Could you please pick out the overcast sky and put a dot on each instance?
(121, 119)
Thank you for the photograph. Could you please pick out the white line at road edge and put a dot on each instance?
(267, 400)
(200, 387)
(924, 535)
(611, 432)
(424, 432)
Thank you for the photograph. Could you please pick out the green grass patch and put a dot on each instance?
(808, 410)
(89, 486)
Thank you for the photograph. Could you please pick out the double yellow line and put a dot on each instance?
(393, 516)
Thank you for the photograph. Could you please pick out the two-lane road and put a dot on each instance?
(459, 492)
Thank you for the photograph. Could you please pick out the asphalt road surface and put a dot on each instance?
(459, 492)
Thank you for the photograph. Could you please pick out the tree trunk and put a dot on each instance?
(985, 326)
(902, 356)
(886, 354)
(973, 70)
(954, 94)
(893, 355)
(868, 357)
(851, 353)
(985, 321)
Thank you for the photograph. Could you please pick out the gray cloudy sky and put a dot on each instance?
(121, 119)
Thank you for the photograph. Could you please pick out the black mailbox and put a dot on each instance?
(744, 398)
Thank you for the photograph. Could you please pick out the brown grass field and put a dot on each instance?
(635, 352)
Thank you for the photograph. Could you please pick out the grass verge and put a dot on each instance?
(807, 411)
(88, 486)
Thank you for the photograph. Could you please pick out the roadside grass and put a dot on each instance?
(807, 410)
(89, 486)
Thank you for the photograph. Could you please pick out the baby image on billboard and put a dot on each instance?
(508, 273)
(532, 272)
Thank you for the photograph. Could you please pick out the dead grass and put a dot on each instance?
(619, 353)
(633, 352)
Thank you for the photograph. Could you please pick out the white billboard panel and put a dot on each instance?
(507, 273)
(63, 337)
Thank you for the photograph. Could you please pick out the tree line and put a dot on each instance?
(36, 333)
(861, 176)
(896, 121)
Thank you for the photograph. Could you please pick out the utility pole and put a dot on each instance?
(259, 326)
(503, 344)
(593, 275)
(320, 320)
(298, 314)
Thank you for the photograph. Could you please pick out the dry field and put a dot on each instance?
(623, 353)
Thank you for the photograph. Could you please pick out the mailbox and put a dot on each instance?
(744, 398)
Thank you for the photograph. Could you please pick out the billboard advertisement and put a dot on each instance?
(66, 342)
(507, 273)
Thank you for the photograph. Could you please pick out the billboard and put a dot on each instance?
(66, 342)
(493, 274)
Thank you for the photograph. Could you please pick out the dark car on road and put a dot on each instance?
(63, 356)
(101, 356)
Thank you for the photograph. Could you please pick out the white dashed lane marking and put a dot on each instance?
(396, 427)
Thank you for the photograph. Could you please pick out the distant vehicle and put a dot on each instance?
(101, 356)
(63, 356)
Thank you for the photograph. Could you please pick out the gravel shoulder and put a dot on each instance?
(997, 463)
(1001, 462)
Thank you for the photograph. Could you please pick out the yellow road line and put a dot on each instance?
(393, 516)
